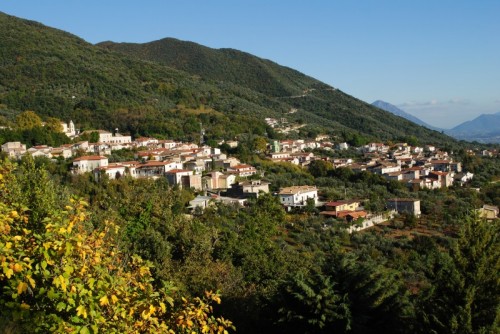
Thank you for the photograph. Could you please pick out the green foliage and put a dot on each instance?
(314, 305)
(28, 120)
(61, 275)
(464, 291)
(319, 168)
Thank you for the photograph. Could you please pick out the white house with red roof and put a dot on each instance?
(298, 195)
(242, 170)
(88, 163)
(113, 171)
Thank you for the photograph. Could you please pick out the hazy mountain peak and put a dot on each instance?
(398, 112)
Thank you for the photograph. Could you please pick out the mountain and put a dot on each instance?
(166, 88)
(484, 129)
(398, 112)
(238, 67)
(267, 77)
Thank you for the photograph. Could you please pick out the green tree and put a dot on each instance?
(53, 124)
(319, 168)
(464, 291)
(68, 277)
(28, 120)
(313, 304)
(260, 144)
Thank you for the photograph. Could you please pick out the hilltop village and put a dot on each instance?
(217, 176)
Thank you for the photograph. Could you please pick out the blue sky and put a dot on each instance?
(438, 60)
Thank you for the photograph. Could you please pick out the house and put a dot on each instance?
(298, 195)
(242, 170)
(184, 179)
(109, 138)
(405, 205)
(201, 202)
(345, 205)
(113, 171)
(463, 178)
(154, 168)
(429, 148)
(342, 146)
(40, 151)
(63, 151)
(441, 165)
(396, 176)
(279, 155)
(88, 163)
(146, 142)
(197, 166)
(14, 149)
(351, 216)
(81, 146)
(218, 180)
(444, 178)
(488, 211)
(248, 189)
(375, 147)
(411, 173)
(385, 167)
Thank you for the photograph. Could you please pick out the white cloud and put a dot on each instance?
(432, 102)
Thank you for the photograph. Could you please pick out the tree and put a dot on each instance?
(28, 120)
(464, 291)
(260, 144)
(70, 278)
(319, 168)
(314, 305)
(54, 124)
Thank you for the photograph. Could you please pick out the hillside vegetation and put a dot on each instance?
(57, 74)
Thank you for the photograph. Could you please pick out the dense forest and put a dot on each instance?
(71, 248)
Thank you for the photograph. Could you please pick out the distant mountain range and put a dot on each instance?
(484, 129)
(398, 112)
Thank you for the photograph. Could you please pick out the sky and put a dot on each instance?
(436, 59)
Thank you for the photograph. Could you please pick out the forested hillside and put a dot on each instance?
(80, 256)
(58, 74)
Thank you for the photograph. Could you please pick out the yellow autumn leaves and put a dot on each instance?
(73, 278)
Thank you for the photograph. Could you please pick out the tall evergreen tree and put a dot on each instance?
(464, 294)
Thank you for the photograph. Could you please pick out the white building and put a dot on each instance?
(109, 138)
(69, 129)
(405, 205)
(298, 195)
(14, 149)
(88, 163)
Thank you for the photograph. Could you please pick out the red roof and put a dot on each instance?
(175, 171)
(90, 157)
(242, 166)
(341, 202)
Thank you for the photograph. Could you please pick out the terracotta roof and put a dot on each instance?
(90, 157)
(337, 203)
(403, 200)
(353, 214)
(297, 189)
(175, 171)
(242, 166)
